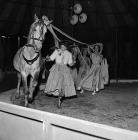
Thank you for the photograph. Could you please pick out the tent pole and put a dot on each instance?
(116, 57)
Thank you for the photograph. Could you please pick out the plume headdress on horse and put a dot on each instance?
(43, 22)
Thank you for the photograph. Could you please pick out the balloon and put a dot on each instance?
(83, 18)
(74, 19)
(77, 8)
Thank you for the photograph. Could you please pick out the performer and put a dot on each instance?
(60, 81)
(93, 81)
(84, 66)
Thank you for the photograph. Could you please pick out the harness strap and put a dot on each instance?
(29, 45)
(37, 39)
(30, 62)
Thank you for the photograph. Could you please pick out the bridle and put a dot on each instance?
(41, 32)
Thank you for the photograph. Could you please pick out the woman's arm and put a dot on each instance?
(71, 62)
(52, 57)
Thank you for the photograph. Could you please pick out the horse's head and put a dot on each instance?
(37, 32)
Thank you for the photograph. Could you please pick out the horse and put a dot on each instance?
(27, 60)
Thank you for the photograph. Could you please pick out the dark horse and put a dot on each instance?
(27, 60)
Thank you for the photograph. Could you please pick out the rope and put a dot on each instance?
(66, 35)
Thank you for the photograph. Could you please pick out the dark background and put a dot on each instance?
(112, 22)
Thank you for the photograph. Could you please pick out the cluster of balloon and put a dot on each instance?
(78, 16)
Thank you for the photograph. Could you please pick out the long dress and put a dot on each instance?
(83, 69)
(92, 81)
(104, 74)
(60, 81)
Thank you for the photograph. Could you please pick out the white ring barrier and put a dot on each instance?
(20, 123)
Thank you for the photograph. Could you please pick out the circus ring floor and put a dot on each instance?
(116, 105)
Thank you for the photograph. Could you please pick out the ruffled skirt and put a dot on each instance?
(60, 82)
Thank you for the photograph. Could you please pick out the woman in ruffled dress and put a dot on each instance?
(60, 82)
(93, 81)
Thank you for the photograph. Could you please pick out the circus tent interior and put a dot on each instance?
(112, 113)
(111, 22)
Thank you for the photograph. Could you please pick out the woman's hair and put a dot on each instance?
(95, 46)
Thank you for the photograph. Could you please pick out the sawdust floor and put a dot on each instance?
(116, 105)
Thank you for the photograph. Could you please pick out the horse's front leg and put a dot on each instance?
(18, 85)
(25, 87)
(33, 84)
